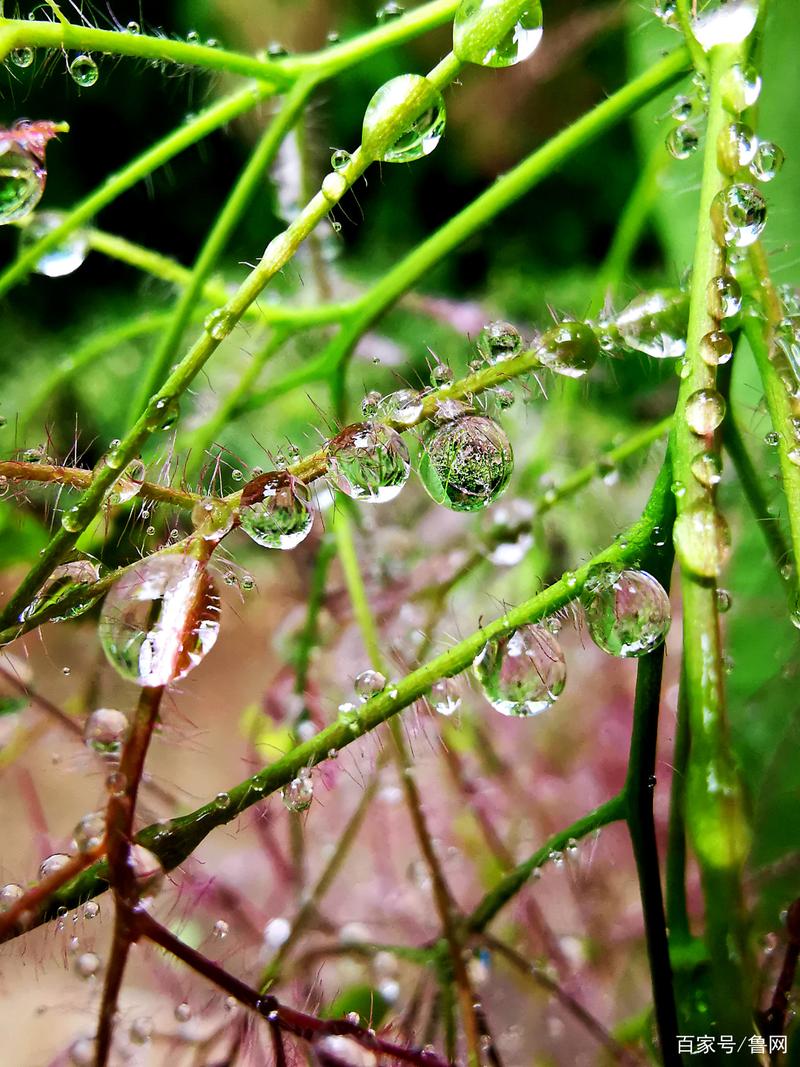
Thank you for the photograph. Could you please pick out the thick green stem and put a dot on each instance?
(715, 813)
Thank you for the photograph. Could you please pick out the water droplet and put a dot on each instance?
(445, 698)
(740, 86)
(496, 33)
(212, 518)
(441, 375)
(66, 257)
(9, 895)
(682, 141)
(368, 462)
(522, 674)
(81, 1052)
(116, 784)
(21, 57)
(702, 540)
(369, 683)
(388, 12)
(466, 463)
(628, 614)
(705, 410)
(133, 27)
(404, 120)
(666, 11)
(681, 108)
(334, 186)
(403, 407)
(141, 1030)
(570, 348)
(160, 619)
(723, 296)
(90, 831)
(655, 323)
(499, 341)
(723, 601)
(220, 930)
(340, 159)
(83, 71)
(299, 793)
(163, 413)
(218, 324)
(87, 965)
(767, 161)
(736, 146)
(147, 871)
(276, 510)
(738, 215)
(182, 1013)
(716, 348)
(22, 178)
(129, 484)
(707, 469)
(222, 801)
(725, 22)
(277, 932)
(52, 864)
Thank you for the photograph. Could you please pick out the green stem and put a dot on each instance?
(249, 181)
(715, 812)
(174, 841)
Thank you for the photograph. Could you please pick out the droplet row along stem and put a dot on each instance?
(714, 802)
(173, 842)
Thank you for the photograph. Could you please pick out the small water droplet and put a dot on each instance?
(499, 341)
(218, 324)
(497, 33)
(707, 469)
(340, 159)
(724, 22)
(52, 864)
(182, 1013)
(133, 27)
(740, 86)
(682, 141)
(87, 965)
(83, 71)
(220, 930)
(66, 256)
(9, 895)
(276, 510)
(141, 1030)
(368, 462)
(441, 375)
(570, 348)
(723, 601)
(736, 146)
(655, 323)
(767, 161)
(724, 296)
(90, 831)
(522, 674)
(681, 108)
(277, 931)
(299, 793)
(334, 186)
(368, 684)
(403, 407)
(716, 348)
(21, 57)
(212, 519)
(404, 120)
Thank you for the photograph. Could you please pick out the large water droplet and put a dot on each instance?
(570, 348)
(522, 674)
(22, 178)
(466, 463)
(276, 510)
(160, 620)
(404, 120)
(403, 407)
(497, 33)
(105, 730)
(628, 614)
(705, 410)
(299, 793)
(83, 71)
(725, 22)
(499, 341)
(724, 296)
(68, 580)
(702, 540)
(9, 895)
(53, 863)
(90, 831)
(655, 323)
(738, 215)
(368, 461)
(21, 57)
(767, 161)
(66, 257)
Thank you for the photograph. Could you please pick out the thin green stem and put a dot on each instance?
(174, 841)
(677, 910)
(250, 179)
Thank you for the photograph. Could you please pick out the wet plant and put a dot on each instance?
(213, 486)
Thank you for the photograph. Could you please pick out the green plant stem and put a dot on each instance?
(250, 179)
(714, 804)
(630, 227)
(218, 114)
(677, 910)
(639, 787)
(174, 841)
(501, 195)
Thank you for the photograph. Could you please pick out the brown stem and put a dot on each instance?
(80, 478)
(20, 915)
(773, 1021)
